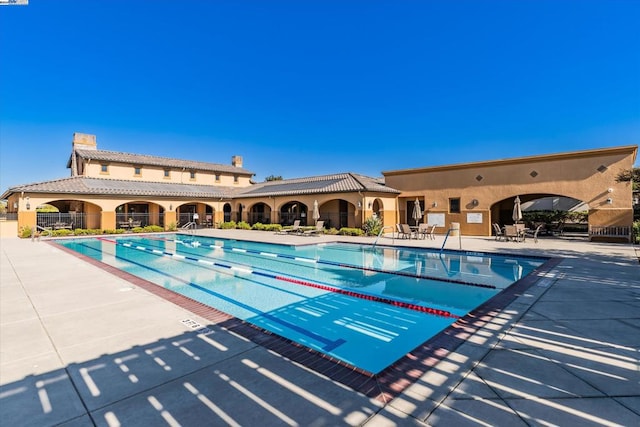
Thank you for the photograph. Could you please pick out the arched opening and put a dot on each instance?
(68, 214)
(139, 214)
(555, 214)
(260, 212)
(227, 212)
(291, 211)
(376, 209)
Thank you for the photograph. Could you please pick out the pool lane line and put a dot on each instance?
(402, 304)
(339, 264)
(328, 344)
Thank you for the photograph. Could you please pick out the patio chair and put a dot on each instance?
(407, 232)
(318, 230)
(294, 229)
(511, 232)
(426, 230)
(498, 231)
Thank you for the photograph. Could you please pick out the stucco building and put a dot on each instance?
(109, 190)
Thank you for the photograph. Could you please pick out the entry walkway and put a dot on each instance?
(80, 346)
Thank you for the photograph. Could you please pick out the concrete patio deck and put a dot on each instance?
(80, 346)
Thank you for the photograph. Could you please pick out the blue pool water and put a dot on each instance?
(365, 306)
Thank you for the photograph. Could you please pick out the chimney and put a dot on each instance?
(236, 161)
(84, 141)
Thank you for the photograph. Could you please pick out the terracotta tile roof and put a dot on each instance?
(142, 159)
(336, 183)
(97, 186)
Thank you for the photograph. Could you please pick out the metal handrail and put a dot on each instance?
(382, 232)
(447, 236)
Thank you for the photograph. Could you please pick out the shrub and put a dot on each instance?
(372, 226)
(172, 226)
(332, 231)
(258, 226)
(228, 225)
(272, 227)
(152, 229)
(62, 232)
(243, 225)
(25, 232)
(116, 231)
(346, 231)
(635, 233)
(137, 230)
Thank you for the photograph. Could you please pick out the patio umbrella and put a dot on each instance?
(316, 211)
(517, 212)
(417, 211)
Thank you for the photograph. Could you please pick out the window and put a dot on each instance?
(137, 171)
(235, 179)
(217, 177)
(104, 168)
(454, 205)
(192, 175)
(167, 173)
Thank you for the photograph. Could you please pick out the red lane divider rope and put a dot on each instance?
(415, 307)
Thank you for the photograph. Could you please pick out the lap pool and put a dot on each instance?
(365, 306)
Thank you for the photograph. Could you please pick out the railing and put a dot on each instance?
(610, 231)
(447, 236)
(393, 235)
(9, 216)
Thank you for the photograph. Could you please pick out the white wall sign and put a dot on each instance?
(436, 219)
(474, 218)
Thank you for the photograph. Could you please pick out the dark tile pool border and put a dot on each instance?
(383, 386)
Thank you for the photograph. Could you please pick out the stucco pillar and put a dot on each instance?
(108, 220)
(26, 219)
(169, 218)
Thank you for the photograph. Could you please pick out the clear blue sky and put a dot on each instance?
(301, 88)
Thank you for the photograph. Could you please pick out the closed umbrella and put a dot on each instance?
(517, 212)
(417, 211)
(316, 211)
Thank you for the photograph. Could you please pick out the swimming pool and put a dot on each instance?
(364, 306)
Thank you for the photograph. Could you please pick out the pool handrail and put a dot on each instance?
(393, 236)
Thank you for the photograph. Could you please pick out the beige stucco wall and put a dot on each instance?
(8, 229)
(575, 175)
(154, 174)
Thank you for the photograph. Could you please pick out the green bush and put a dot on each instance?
(372, 226)
(173, 226)
(25, 232)
(272, 227)
(62, 232)
(346, 231)
(228, 225)
(258, 226)
(116, 231)
(635, 232)
(243, 225)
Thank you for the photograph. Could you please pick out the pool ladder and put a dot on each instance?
(190, 226)
(447, 236)
(382, 232)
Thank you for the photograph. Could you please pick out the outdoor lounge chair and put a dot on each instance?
(426, 230)
(318, 230)
(511, 232)
(407, 233)
(294, 229)
(498, 231)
